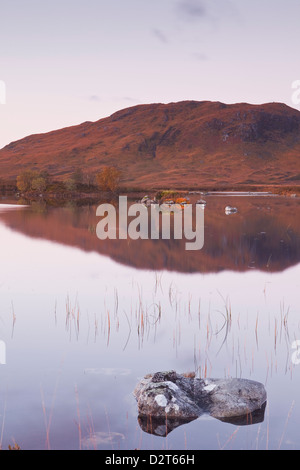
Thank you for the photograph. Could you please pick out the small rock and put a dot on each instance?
(167, 399)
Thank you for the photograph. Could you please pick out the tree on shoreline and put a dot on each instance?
(30, 180)
(108, 179)
(74, 180)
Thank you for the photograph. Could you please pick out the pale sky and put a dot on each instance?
(68, 61)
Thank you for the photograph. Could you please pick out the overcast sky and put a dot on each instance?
(69, 61)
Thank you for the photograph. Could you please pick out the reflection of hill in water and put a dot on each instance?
(264, 234)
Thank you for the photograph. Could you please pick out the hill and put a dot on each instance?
(185, 145)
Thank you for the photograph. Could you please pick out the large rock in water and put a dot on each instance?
(167, 400)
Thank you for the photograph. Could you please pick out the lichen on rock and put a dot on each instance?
(177, 399)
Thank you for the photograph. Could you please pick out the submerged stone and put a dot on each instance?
(167, 400)
(236, 397)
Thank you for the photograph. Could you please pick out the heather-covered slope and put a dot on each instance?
(185, 144)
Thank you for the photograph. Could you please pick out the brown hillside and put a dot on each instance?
(186, 144)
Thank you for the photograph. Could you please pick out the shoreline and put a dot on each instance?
(82, 196)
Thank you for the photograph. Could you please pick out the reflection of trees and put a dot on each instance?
(267, 240)
(257, 240)
(39, 207)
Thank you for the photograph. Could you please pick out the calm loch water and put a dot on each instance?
(84, 320)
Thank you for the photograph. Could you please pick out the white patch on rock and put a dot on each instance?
(161, 400)
(171, 385)
(171, 407)
(210, 387)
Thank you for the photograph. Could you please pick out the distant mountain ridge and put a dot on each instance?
(183, 145)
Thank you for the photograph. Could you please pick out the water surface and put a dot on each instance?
(84, 320)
